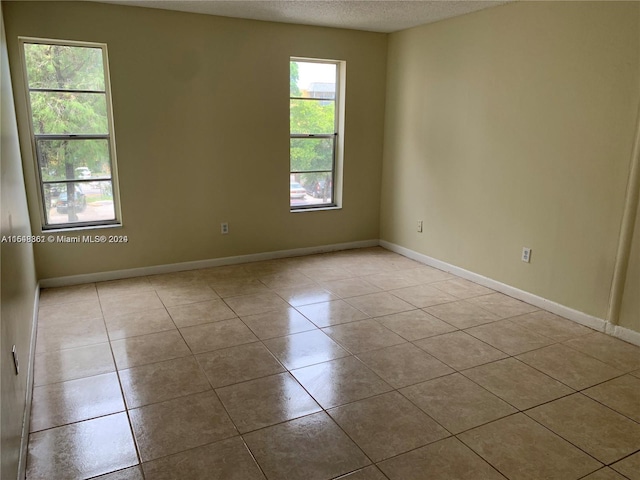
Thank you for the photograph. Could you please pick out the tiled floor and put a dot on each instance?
(362, 365)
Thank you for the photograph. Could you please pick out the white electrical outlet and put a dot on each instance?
(526, 254)
(420, 226)
(224, 228)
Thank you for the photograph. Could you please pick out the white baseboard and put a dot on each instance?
(577, 316)
(214, 262)
(26, 416)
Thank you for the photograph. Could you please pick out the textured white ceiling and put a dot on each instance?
(372, 15)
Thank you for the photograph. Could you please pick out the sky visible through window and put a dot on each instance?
(314, 72)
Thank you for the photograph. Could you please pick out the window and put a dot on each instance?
(315, 148)
(72, 127)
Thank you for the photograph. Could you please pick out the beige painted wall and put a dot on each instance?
(630, 310)
(18, 280)
(201, 122)
(513, 127)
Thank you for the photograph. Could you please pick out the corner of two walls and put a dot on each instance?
(18, 285)
(513, 127)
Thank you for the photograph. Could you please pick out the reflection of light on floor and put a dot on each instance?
(295, 401)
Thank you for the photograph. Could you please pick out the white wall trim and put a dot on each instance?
(623, 333)
(214, 262)
(26, 416)
(577, 316)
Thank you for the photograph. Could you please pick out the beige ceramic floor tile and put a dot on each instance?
(126, 286)
(570, 366)
(304, 349)
(322, 450)
(284, 279)
(75, 400)
(71, 294)
(340, 381)
(509, 337)
(201, 312)
(445, 459)
(405, 364)
(180, 424)
(621, 394)
(368, 473)
(379, 304)
(268, 267)
(72, 335)
(387, 425)
(422, 296)
(422, 274)
(305, 294)
(288, 277)
(238, 364)
(621, 355)
(53, 314)
(212, 336)
(407, 277)
(362, 336)
(63, 365)
(502, 305)
(636, 373)
(336, 312)
(456, 402)
(462, 314)
(460, 350)
(155, 347)
(278, 323)
(82, 450)
(225, 460)
(123, 304)
(390, 280)
(596, 429)
(322, 273)
(461, 288)
(236, 287)
(266, 401)
(629, 467)
(517, 383)
(176, 279)
(131, 473)
(522, 449)
(184, 295)
(224, 274)
(415, 324)
(605, 474)
(551, 325)
(251, 304)
(350, 287)
(157, 382)
(139, 323)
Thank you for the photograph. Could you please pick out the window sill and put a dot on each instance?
(44, 231)
(315, 209)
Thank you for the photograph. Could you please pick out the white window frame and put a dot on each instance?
(109, 136)
(338, 135)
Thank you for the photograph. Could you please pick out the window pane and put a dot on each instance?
(311, 154)
(318, 189)
(312, 80)
(72, 159)
(312, 116)
(67, 113)
(78, 202)
(64, 68)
